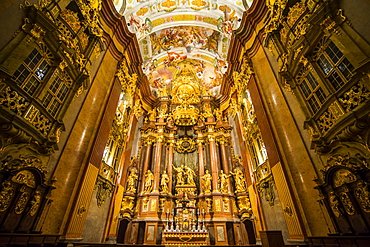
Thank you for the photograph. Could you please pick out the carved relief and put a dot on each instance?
(347, 203)
(343, 176)
(330, 116)
(363, 196)
(226, 203)
(12, 100)
(265, 188)
(6, 195)
(128, 202)
(25, 177)
(127, 81)
(334, 204)
(22, 202)
(209, 204)
(353, 163)
(355, 96)
(10, 164)
(244, 203)
(104, 190)
(145, 203)
(35, 203)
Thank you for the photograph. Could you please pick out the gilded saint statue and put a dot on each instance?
(184, 175)
(165, 179)
(239, 181)
(180, 180)
(190, 174)
(131, 182)
(223, 180)
(206, 182)
(149, 179)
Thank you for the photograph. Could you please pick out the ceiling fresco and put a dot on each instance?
(195, 32)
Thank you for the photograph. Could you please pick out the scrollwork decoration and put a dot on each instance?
(334, 204)
(363, 196)
(343, 176)
(35, 203)
(22, 202)
(6, 195)
(347, 203)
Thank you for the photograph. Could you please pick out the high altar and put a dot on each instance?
(186, 186)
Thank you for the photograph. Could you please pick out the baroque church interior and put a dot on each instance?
(184, 123)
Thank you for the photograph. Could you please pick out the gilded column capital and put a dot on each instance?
(211, 138)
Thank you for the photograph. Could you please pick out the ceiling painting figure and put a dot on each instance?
(197, 31)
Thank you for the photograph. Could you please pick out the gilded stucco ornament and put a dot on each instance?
(22, 202)
(353, 163)
(347, 203)
(241, 79)
(207, 111)
(330, 116)
(11, 164)
(128, 202)
(90, 11)
(356, 95)
(334, 204)
(6, 195)
(128, 82)
(137, 110)
(265, 182)
(343, 176)
(104, 183)
(35, 203)
(276, 8)
(25, 177)
(185, 145)
(363, 196)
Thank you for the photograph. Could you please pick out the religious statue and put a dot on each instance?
(184, 175)
(131, 182)
(179, 175)
(189, 173)
(239, 181)
(223, 181)
(149, 179)
(206, 182)
(164, 182)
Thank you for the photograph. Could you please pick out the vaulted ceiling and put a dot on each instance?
(196, 31)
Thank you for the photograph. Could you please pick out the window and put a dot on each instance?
(336, 67)
(31, 73)
(57, 92)
(310, 89)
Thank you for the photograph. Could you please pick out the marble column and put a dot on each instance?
(169, 164)
(148, 154)
(157, 163)
(213, 162)
(200, 163)
(225, 162)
